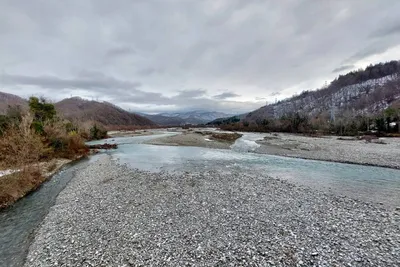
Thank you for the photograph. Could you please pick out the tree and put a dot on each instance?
(392, 114)
(42, 112)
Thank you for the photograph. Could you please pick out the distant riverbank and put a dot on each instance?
(383, 152)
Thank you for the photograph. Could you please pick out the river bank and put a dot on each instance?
(19, 183)
(383, 152)
(111, 215)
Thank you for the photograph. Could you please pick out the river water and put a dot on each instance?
(373, 184)
(367, 183)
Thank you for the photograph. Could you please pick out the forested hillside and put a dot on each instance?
(349, 101)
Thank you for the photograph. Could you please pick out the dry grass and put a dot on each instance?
(17, 185)
(23, 149)
(52, 166)
(229, 137)
(21, 146)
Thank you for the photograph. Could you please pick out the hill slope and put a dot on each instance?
(103, 112)
(164, 120)
(187, 117)
(366, 91)
(11, 100)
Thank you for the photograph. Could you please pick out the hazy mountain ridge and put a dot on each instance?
(186, 117)
(103, 112)
(164, 120)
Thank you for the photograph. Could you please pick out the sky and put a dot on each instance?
(167, 55)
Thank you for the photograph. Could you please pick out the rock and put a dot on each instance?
(103, 146)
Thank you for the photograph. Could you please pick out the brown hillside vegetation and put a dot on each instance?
(107, 114)
(11, 100)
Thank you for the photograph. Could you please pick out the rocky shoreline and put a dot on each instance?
(110, 215)
(383, 152)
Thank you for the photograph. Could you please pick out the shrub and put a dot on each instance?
(96, 133)
(63, 144)
(21, 145)
(41, 110)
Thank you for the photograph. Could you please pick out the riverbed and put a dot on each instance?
(113, 210)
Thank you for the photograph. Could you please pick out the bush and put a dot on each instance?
(21, 145)
(62, 143)
(96, 133)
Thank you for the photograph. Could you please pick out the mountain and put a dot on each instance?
(366, 91)
(76, 108)
(190, 117)
(11, 100)
(227, 120)
(164, 120)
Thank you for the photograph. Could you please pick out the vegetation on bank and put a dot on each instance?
(28, 139)
(227, 137)
(387, 123)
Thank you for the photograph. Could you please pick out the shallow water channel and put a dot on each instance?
(372, 184)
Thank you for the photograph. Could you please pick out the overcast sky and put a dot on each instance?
(164, 55)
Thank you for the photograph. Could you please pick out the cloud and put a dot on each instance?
(343, 68)
(120, 51)
(154, 54)
(387, 30)
(275, 93)
(149, 71)
(99, 82)
(368, 51)
(195, 93)
(226, 95)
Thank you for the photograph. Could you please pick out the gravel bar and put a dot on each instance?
(110, 215)
(384, 152)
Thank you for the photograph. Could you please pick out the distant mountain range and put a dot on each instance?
(108, 114)
(186, 117)
(361, 92)
(367, 91)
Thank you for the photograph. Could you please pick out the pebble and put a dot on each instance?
(164, 219)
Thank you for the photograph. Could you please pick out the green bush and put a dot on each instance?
(97, 133)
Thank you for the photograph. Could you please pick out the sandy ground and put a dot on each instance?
(190, 139)
(329, 148)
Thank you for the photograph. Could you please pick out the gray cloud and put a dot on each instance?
(152, 55)
(148, 71)
(226, 95)
(387, 30)
(343, 68)
(192, 93)
(274, 93)
(120, 51)
(89, 82)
